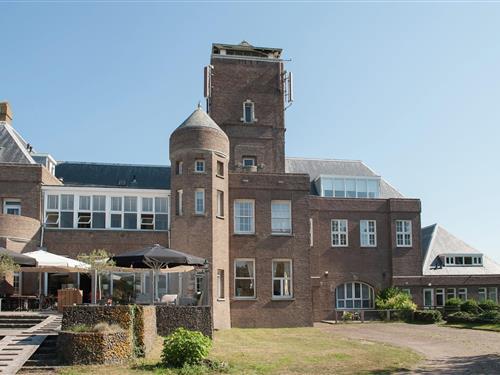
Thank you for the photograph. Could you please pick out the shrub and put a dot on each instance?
(454, 302)
(394, 299)
(347, 316)
(184, 347)
(489, 305)
(470, 306)
(427, 316)
(491, 316)
(460, 317)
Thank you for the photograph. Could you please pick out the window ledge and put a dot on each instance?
(220, 217)
(221, 299)
(282, 234)
(200, 215)
(244, 234)
(219, 176)
(339, 247)
(277, 299)
(244, 298)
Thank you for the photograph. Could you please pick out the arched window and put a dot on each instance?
(354, 295)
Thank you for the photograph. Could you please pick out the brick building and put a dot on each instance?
(287, 240)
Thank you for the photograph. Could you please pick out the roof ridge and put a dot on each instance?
(325, 159)
(61, 162)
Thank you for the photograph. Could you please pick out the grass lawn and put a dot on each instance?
(480, 326)
(282, 351)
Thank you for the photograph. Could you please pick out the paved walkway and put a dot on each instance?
(447, 350)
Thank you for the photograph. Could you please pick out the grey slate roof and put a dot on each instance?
(114, 175)
(13, 146)
(437, 241)
(199, 119)
(351, 168)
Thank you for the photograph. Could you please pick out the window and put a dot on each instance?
(403, 233)
(451, 293)
(493, 294)
(368, 230)
(407, 291)
(130, 215)
(12, 207)
(482, 294)
(178, 168)
(220, 203)
(428, 297)
(354, 295)
(199, 166)
(220, 284)
(248, 112)
(220, 169)
(116, 212)
(244, 278)
(462, 294)
(341, 187)
(67, 209)
(147, 217)
(282, 278)
(199, 198)
(249, 161)
(99, 211)
(244, 216)
(198, 286)
(281, 217)
(463, 260)
(339, 233)
(440, 297)
(161, 213)
(84, 215)
(178, 203)
(16, 282)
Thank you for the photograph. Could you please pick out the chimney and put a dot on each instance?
(5, 112)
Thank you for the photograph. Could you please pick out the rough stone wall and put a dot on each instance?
(93, 348)
(145, 332)
(195, 318)
(263, 247)
(233, 82)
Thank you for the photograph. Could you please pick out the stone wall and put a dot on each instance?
(137, 321)
(195, 318)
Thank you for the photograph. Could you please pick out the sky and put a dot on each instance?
(411, 88)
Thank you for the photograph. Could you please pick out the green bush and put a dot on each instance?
(491, 316)
(427, 316)
(460, 317)
(454, 302)
(184, 347)
(394, 299)
(470, 306)
(489, 305)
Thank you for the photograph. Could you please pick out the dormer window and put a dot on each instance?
(248, 112)
(463, 260)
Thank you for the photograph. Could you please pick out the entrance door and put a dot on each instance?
(428, 297)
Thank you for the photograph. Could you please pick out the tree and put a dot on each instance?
(394, 299)
(99, 261)
(7, 265)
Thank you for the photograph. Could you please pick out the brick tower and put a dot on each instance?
(199, 155)
(245, 90)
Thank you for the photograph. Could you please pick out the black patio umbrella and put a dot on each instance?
(20, 259)
(156, 257)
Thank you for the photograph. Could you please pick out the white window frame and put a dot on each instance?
(327, 184)
(448, 293)
(252, 260)
(115, 212)
(432, 297)
(12, 204)
(482, 294)
(401, 234)
(493, 290)
(338, 233)
(353, 298)
(199, 193)
(19, 276)
(458, 260)
(282, 280)
(440, 292)
(252, 221)
(200, 162)
(252, 113)
(365, 235)
(253, 160)
(462, 291)
(178, 202)
(286, 231)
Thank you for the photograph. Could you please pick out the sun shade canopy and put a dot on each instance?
(20, 259)
(45, 259)
(156, 256)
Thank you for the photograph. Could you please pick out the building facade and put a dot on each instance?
(288, 240)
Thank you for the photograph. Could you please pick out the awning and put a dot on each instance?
(49, 262)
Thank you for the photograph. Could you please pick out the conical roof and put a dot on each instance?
(199, 119)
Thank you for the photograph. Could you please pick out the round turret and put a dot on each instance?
(198, 132)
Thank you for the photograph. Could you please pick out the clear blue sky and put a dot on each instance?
(411, 89)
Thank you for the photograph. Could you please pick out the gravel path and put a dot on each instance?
(447, 350)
